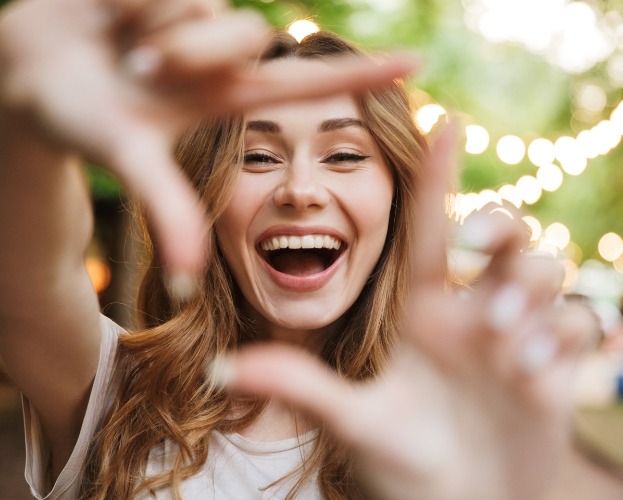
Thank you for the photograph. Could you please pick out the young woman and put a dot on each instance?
(325, 233)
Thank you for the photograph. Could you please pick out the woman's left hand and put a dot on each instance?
(475, 403)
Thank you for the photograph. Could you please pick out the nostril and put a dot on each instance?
(301, 194)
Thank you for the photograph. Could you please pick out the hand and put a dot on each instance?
(474, 404)
(116, 81)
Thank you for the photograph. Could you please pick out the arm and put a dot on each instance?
(49, 321)
(114, 81)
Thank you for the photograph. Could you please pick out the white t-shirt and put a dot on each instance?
(236, 468)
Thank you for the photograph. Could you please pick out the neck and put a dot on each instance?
(312, 340)
(277, 421)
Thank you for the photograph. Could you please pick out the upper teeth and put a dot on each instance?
(296, 242)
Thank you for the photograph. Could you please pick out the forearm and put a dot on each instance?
(45, 217)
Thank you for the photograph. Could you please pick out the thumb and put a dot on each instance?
(295, 376)
(144, 162)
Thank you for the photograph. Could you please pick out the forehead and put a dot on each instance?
(316, 110)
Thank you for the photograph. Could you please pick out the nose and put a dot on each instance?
(300, 188)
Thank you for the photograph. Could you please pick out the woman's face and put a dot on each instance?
(309, 214)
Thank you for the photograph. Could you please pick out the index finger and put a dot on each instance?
(428, 255)
(341, 74)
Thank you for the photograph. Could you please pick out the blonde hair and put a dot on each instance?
(163, 391)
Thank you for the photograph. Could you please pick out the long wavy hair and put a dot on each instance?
(164, 393)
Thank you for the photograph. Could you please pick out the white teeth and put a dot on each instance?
(307, 241)
(296, 242)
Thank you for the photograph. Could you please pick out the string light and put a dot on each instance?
(550, 177)
(610, 247)
(541, 152)
(427, 116)
(535, 227)
(509, 193)
(511, 149)
(301, 28)
(558, 235)
(477, 139)
(529, 189)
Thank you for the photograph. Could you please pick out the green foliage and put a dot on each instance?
(103, 185)
(499, 86)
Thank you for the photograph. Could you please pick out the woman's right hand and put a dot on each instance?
(116, 81)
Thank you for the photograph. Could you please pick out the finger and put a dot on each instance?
(576, 326)
(542, 339)
(297, 377)
(152, 15)
(200, 47)
(144, 162)
(428, 258)
(529, 283)
(497, 235)
(296, 81)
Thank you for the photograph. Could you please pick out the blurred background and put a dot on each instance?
(536, 85)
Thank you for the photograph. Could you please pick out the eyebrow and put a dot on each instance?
(326, 126)
(263, 126)
(337, 123)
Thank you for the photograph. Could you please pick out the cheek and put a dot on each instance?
(232, 226)
(372, 207)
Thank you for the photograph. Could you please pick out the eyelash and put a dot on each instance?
(339, 157)
(345, 157)
(259, 158)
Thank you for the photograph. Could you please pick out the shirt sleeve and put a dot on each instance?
(67, 485)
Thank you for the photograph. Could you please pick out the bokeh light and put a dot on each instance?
(541, 152)
(477, 139)
(301, 28)
(529, 189)
(550, 177)
(557, 234)
(99, 273)
(509, 193)
(534, 225)
(428, 115)
(571, 275)
(610, 247)
(511, 149)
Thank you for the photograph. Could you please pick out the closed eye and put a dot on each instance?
(345, 157)
(255, 157)
(260, 161)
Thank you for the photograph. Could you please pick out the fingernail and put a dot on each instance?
(538, 352)
(143, 61)
(476, 233)
(507, 307)
(182, 287)
(221, 371)
(503, 211)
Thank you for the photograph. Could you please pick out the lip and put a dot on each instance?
(300, 283)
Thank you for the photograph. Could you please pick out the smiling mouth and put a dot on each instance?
(301, 256)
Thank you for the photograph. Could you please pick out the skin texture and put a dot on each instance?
(459, 414)
(466, 409)
(115, 82)
(303, 185)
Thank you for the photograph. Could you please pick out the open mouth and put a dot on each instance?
(301, 255)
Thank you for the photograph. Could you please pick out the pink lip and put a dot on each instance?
(300, 283)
